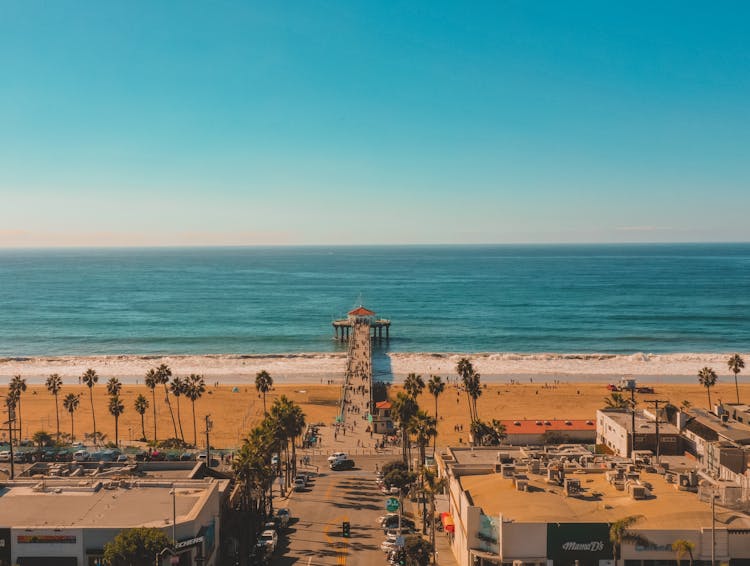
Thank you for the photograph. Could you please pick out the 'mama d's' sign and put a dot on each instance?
(586, 542)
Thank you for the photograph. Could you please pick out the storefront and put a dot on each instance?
(578, 544)
(5, 554)
(47, 547)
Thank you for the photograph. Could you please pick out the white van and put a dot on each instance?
(81, 455)
(336, 456)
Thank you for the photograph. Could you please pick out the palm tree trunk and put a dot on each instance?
(179, 420)
(93, 415)
(153, 402)
(117, 433)
(708, 390)
(20, 422)
(195, 430)
(294, 457)
(71, 427)
(171, 412)
(737, 388)
(264, 404)
(57, 417)
(434, 438)
(143, 425)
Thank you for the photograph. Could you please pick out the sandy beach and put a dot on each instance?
(234, 409)
(237, 369)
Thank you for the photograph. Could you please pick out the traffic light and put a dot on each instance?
(346, 529)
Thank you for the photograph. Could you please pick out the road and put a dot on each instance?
(314, 537)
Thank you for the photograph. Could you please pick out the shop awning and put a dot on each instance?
(448, 523)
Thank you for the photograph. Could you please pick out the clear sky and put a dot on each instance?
(317, 122)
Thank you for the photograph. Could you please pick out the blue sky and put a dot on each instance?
(178, 123)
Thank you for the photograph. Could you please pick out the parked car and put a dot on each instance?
(5, 456)
(122, 458)
(20, 457)
(268, 539)
(301, 476)
(342, 465)
(81, 455)
(284, 515)
(391, 522)
(299, 484)
(395, 531)
(336, 456)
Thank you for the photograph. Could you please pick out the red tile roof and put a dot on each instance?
(361, 311)
(383, 405)
(543, 425)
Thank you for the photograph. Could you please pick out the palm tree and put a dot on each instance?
(141, 406)
(619, 532)
(116, 408)
(254, 475)
(471, 384)
(404, 408)
(18, 385)
(263, 383)
(70, 403)
(735, 364)
(11, 401)
(177, 387)
(196, 387)
(436, 387)
(90, 379)
(289, 423)
(465, 370)
(114, 387)
(163, 373)
(151, 383)
(413, 385)
(681, 547)
(54, 385)
(707, 378)
(422, 426)
(616, 400)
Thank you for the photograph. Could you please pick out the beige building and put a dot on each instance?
(67, 521)
(550, 507)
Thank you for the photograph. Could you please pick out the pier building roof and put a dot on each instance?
(361, 311)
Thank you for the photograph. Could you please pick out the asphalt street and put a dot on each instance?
(314, 537)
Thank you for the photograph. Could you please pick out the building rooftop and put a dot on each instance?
(66, 503)
(537, 426)
(726, 430)
(643, 424)
(599, 502)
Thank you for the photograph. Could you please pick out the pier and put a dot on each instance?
(343, 328)
(359, 329)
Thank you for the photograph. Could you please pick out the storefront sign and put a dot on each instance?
(585, 542)
(189, 542)
(46, 539)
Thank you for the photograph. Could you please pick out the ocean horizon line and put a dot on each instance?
(557, 244)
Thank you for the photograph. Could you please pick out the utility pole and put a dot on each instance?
(208, 444)
(632, 416)
(713, 526)
(656, 403)
(11, 420)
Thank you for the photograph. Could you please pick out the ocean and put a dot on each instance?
(512, 298)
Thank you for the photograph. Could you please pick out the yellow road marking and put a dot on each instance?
(341, 554)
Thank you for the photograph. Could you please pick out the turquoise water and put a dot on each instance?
(608, 298)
